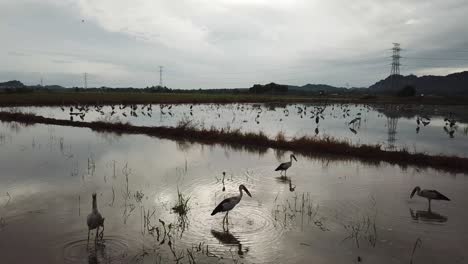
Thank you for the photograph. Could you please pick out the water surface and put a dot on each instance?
(327, 211)
(417, 128)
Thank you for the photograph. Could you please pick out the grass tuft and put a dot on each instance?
(182, 206)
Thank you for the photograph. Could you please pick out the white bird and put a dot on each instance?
(95, 219)
(429, 194)
(286, 165)
(229, 203)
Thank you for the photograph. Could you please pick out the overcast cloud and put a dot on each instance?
(228, 43)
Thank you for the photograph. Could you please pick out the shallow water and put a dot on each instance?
(328, 211)
(392, 126)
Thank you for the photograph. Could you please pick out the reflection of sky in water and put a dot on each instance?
(45, 170)
(374, 127)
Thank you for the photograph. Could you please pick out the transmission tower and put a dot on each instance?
(160, 76)
(85, 85)
(395, 71)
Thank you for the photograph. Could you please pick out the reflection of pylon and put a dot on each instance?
(392, 123)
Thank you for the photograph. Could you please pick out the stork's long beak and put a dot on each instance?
(413, 192)
(246, 191)
(294, 158)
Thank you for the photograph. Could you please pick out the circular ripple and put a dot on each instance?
(112, 249)
(251, 228)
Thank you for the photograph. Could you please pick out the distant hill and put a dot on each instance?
(11, 85)
(324, 89)
(450, 85)
(269, 88)
(19, 87)
(455, 84)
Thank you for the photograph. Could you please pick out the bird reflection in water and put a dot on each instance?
(98, 250)
(428, 216)
(292, 187)
(284, 179)
(227, 239)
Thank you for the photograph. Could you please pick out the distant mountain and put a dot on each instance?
(324, 89)
(315, 88)
(11, 85)
(450, 85)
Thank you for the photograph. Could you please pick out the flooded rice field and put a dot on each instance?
(417, 128)
(325, 211)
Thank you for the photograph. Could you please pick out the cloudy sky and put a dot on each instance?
(228, 43)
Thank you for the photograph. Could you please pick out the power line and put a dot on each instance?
(416, 58)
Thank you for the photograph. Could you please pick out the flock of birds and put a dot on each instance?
(131, 109)
(316, 113)
(96, 221)
(353, 115)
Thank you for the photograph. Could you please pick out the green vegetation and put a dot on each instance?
(269, 88)
(407, 91)
(73, 98)
(307, 146)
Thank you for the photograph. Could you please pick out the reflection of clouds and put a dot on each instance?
(22, 190)
(373, 129)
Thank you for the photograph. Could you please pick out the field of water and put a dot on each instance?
(326, 211)
(417, 128)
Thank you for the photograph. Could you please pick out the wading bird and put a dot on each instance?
(429, 194)
(95, 220)
(286, 165)
(229, 203)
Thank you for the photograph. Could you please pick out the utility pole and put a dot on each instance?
(85, 80)
(395, 71)
(42, 84)
(160, 76)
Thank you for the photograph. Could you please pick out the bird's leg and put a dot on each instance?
(97, 233)
(101, 235)
(224, 219)
(227, 218)
(89, 230)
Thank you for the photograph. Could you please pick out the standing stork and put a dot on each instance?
(429, 194)
(95, 219)
(229, 203)
(286, 165)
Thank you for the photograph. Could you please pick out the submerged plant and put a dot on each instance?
(182, 206)
(139, 196)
